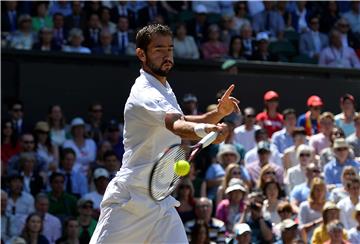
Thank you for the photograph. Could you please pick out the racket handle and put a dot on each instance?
(208, 139)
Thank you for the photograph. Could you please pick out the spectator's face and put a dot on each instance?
(245, 238)
(58, 21)
(341, 153)
(46, 36)
(203, 210)
(17, 111)
(190, 106)
(263, 46)
(236, 196)
(29, 165)
(348, 106)
(354, 190)
(315, 111)
(27, 143)
(112, 163)
(94, 21)
(336, 133)
(285, 214)
(249, 118)
(228, 158)
(181, 32)
(86, 209)
(314, 24)
(304, 158)
(42, 205)
(76, 7)
(269, 175)
(332, 6)
(327, 126)
(114, 135)
(241, 9)
(7, 131)
(344, 27)
(159, 55)
(79, 131)
(101, 183)
(272, 192)
(299, 139)
(313, 172)
(105, 15)
(236, 45)
(106, 39)
(105, 146)
(76, 41)
(336, 40)
(56, 113)
(16, 186)
(72, 229)
(123, 24)
(68, 161)
(57, 184)
(320, 191)
(214, 35)
(235, 173)
(11, 5)
(246, 32)
(349, 174)
(41, 10)
(263, 136)
(332, 214)
(290, 120)
(42, 136)
(264, 156)
(34, 224)
(97, 110)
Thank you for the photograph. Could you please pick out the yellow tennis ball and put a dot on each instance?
(182, 167)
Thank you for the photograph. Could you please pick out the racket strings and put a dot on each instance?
(164, 178)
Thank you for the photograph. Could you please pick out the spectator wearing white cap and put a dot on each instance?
(84, 148)
(24, 37)
(289, 231)
(101, 180)
(86, 221)
(230, 210)
(242, 234)
(262, 53)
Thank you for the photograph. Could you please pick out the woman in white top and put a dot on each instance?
(84, 148)
(184, 45)
(56, 120)
(45, 149)
(272, 191)
(289, 158)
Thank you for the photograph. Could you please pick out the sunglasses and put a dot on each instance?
(341, 149)
(316, 171)
(250, 116)
(236, 173)
(270, 173)
(87, 207)
(316, 108)
(305, 155)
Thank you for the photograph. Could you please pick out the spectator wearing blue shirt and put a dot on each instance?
(334, 168)
(283, 139)
(75, 182)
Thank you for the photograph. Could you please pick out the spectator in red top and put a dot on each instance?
(270, 119)
(9, 142)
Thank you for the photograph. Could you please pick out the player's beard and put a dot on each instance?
(157, 69)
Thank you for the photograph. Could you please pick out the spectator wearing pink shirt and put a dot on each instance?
(214, 48)
(321, 140)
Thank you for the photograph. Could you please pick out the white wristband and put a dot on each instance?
(199, 130)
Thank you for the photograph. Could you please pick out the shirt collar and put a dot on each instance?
(155, 82)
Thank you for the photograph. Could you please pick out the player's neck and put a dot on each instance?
(162, 79)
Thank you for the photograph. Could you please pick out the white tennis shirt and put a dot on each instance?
(145, 133)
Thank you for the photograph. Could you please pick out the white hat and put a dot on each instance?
(101, 172)
(77, 121)
(235, 185)
(201, 9)
(240, 229)
(340, 143)
(262, 36)
(287, 224)
(227, 148)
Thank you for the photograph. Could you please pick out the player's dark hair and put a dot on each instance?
(144, 36)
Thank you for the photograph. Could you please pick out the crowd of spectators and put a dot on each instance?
(277, 178)
(325, 32)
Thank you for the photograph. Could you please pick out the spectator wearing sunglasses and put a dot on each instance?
(17, 118)
(86, 221)
(340, 192)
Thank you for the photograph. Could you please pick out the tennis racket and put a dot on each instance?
(163, 179)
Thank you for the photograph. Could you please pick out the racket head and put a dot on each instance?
(163, 179)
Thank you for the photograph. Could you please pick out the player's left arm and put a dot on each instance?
(226, 105)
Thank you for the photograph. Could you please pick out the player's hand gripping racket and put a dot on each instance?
(163, 179)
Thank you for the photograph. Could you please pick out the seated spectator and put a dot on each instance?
(289, 231)
(184, 45)
(106, 46)
(285, 211)
(77, 19)
(19, 123)
(300, 193)
(241, 17)
(92, 7)
(267, 174)
(60, 31)
(354, 139)
(24, 38)
(264, 153)
(327, 154)
(113, 135)
(33, 183)
(105, 22)
(321, 140)
(185, 195)
(273, 194)
(71, 232)
(75, 182)
(86, 221)
(242, 234)
(198, 26)
(123, 9)
(262, 49)
(340, 192)
(354, 233)
(75, 39)
(46, 42)
(9, 227)
(230, 67)
(189, 104)
(310, 119)
(283, 139)
(289, 157)
(261, 229)
(103, 147)
(149, 13)
(9, 16)
(347, 204)
(336, 233)
(213, 48)
(42, 19)
(270, 119)
(200, 233)
(101, 181)
(111, 163)
(245, 134)
(31, 232)
(95, 125)
(337, 55)
(84, 148)
(348, 39)
(296, 175)
(334, 168)
(310, 213)
(329, 17)
(345, 119)
(248, 41)
(10, 145)
(312, 42)
(235, 48)
(92, 31)
(230, 210)
(353, 17)
(63, 7)
(45, 148)
(226, 29)
(57, 124)
(203, 211)
(61, 204)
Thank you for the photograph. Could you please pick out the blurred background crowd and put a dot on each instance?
(280, 176)
(325, 32)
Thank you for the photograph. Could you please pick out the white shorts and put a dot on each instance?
(129, 215)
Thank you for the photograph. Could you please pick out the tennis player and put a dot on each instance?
(153, 121)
